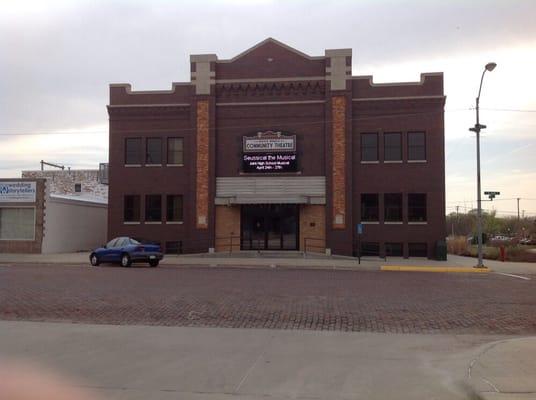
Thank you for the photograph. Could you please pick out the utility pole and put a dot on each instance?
(518, 208)
(457, 208)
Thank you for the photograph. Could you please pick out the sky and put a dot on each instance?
(57, 59)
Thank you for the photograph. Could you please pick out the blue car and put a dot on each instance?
(125, 250)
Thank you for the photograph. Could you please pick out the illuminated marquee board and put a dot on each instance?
(270, 152)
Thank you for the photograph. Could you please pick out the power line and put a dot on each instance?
(507, 109)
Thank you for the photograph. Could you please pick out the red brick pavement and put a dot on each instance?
(271, 298)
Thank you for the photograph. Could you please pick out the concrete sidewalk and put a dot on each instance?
(505, 370)
(292, 260)
(141, 362)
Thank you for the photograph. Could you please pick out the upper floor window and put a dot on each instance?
(369, 207)
(133, 151)
(154, 151)
(131, 208)
(175, 151)
(393, 207)
(392, 146)
(416, 146)
(153, 208)
(369, 147)
(174, 208)
(417, 207)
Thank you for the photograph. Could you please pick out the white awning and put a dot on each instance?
(271, 190)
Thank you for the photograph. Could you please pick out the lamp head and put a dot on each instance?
(490, 66)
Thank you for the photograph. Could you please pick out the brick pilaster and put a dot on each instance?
(202, 164)
(338, 113)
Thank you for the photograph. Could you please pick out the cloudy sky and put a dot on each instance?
(57, 59)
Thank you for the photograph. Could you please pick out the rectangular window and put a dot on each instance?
(416, 146)
(392, 146)
(417, 207)
(131, 209)
(175, 151)
(17, 223)
(370, 249)
(154, 151)
(174, 208)
(393, 207)
(369, 147)
(369, 207)
(133, 151)
(393, 249)
(78, 187)
(418, 250)
(153, 208)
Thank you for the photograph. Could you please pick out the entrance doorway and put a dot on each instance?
(269, 227)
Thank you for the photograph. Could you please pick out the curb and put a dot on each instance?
(399, 268)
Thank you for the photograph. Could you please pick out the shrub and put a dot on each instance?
(519, 253)
(457, 245)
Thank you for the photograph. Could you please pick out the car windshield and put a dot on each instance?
(134, 241)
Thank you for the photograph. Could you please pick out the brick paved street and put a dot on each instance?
(271, 298)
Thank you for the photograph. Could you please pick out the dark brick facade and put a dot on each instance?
(274, 87)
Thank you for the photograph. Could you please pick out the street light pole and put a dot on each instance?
(489, 67)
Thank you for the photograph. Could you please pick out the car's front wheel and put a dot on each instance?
(153, 263)
(125, 260)
(94, 260)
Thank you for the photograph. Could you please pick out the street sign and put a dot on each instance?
(359, 229)
(492, 195)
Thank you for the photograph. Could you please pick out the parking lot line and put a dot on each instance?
(514, 276)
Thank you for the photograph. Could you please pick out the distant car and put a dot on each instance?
(528, 241)
(125, 250)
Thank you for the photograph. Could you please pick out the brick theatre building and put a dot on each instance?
(277, 150)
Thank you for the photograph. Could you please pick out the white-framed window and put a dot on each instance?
(17, 223)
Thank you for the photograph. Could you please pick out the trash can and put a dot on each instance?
(441, 250)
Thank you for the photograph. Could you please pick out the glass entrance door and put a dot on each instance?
(269, 227)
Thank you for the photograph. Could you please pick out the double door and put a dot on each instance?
(269, 227)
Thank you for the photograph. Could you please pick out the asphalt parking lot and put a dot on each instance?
(335, 300)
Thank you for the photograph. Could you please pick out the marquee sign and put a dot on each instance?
(270, 152)
(269, 142)
(17, 192)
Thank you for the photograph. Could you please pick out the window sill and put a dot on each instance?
(132, 165)
(131, 222)
(174, 222)
(153, 222)
(417, 161)
(393, 222)
(153, 165)
(370, 222)
(174, 165)
(370, 162)
(417, 222)
(392, 162)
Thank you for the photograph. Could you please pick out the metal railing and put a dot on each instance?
(229, 242)
(314, 245)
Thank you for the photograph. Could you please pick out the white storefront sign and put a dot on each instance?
(269, 142)
(17, 192)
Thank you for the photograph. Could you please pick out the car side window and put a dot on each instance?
(121, 242)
